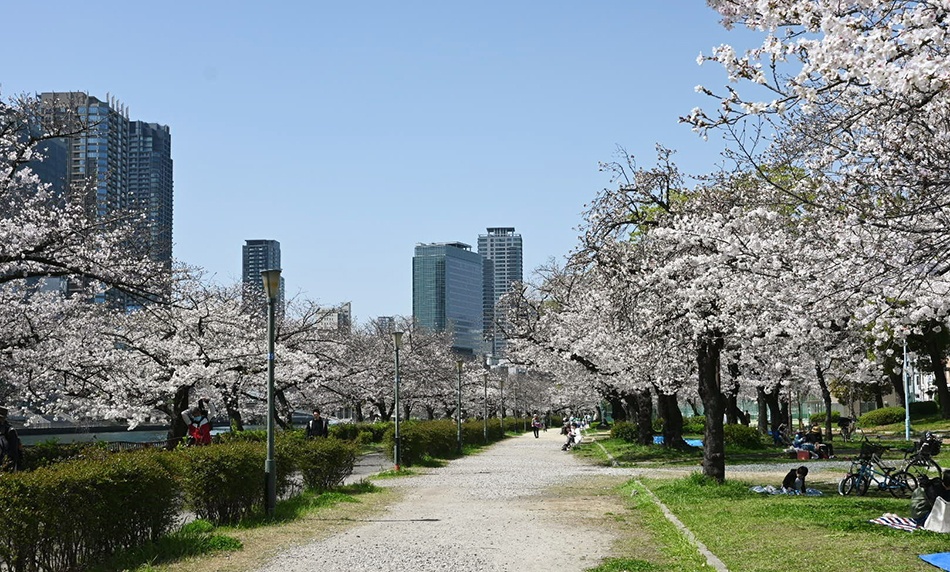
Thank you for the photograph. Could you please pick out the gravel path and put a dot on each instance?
(485, 512)
(480, 512)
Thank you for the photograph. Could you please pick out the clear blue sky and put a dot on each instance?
(350, 131)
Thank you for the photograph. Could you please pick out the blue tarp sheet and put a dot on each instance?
(658, 440)
(940, 560)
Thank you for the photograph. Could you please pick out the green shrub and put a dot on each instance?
(624, 431)
(883, 416)
(255, 436)
(924, 408)
(324, 463)
(819, 418)
(224, 483)
(742, 436)
(695, 425)
(71, 514)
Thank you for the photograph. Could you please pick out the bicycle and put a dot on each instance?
(868, 468)
(919, 460)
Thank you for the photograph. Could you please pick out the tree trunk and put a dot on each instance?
(772, 400)
(668, 408)
(692, 405)
(733, 413)
(358, 412)
(878, 395)
(935, 353)
(897, 382)
(179, 403)
(763, 409)
(644, 412)
(708, 350)
(826, 397)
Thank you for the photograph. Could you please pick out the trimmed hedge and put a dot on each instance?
(325, 463)
(883, 416)
(73, 514)
(819, 418)
(924, 408)
(694, 425)
(439, 438)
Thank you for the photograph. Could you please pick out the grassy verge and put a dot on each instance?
(764, 533)
(307, 517)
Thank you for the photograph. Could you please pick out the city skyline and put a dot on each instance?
(351, 133)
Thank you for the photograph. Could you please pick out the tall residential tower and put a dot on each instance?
(502, 248)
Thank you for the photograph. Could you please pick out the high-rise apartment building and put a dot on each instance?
(124, 168)
(151, 189)
(128, 162)
(502, 248)
(259, 255)
(447, 290)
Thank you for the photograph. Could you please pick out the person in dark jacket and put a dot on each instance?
(795, 479)
(11, 449)
(318, 426)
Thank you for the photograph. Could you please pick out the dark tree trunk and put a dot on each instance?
(358, 412)
(937, 362)
(617, 409)
(878, 395)
(897, 383)
(733, 413)
(178, 427)
(235, 420)
(763, 408)
(708, 350)
(772, 399)
(644, 412)
(692, 405)
(826, 398)
(285, 421)
(668, 408)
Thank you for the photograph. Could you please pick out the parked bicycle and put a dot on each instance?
(920, 459)
(868, 468)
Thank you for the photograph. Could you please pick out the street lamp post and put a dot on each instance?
(501, 397)
(397, 342)
(458, 408)
(485, 415)
(271, 280)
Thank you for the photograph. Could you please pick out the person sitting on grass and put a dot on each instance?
(925, 495)
(795, 480)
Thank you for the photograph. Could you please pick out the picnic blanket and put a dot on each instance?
(769, 489)
(940, 560)
(658, 440)
(894, 521)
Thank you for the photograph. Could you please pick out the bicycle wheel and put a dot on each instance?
(861, 484)
(925, 466)
(901, 484)
(847, 485)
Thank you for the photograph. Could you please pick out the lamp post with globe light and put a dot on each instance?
(271, 280)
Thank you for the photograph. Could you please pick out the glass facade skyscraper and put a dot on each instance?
(502, 248)
(151, 189)
(447, 292)
(258, 255)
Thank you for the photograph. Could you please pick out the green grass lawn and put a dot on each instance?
(758, 532)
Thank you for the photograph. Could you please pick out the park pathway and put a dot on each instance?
(482, 512)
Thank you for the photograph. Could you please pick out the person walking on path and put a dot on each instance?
(535, 425)
(317, 426)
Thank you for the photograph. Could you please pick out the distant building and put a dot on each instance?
(502, 248)
(127, 162)
(386, 324)
(447, 291)
(151, 188)
(258, 255)
(336, 318)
